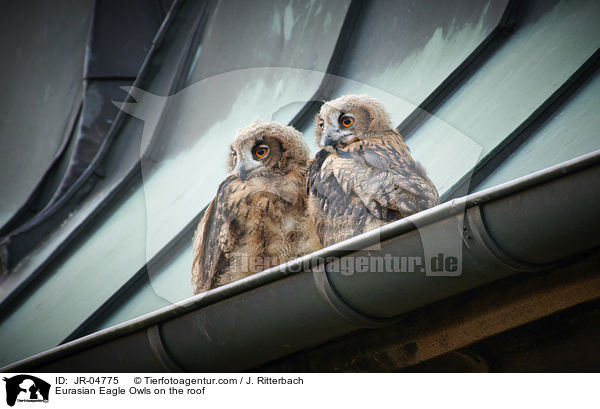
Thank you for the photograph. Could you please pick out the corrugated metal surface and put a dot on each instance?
(41, 75)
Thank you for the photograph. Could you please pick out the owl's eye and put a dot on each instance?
(321, 124)
(261, 151)
(346, 121)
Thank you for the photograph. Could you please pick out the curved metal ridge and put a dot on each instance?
(160, 352)
(486, 249)
(448, 209)
(57, 206)
(104, 147)
(341, 307)
(67, 136)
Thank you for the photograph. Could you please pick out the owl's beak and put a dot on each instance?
(331, 136)
(329, 141)
(242, 168)
(246, 166)
(242, 173)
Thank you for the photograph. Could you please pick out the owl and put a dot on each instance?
(258, 218)
(364, 175)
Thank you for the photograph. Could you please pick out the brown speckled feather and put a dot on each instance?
(365, 184)
(212, 238)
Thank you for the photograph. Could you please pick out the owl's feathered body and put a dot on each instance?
(364, 176)
(258, 218)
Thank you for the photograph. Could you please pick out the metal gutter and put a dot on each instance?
(524, 225)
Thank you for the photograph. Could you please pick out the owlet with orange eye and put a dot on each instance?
(258, 219)
(364, 176)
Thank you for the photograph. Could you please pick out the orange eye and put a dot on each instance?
(261, 151)
(347, 121)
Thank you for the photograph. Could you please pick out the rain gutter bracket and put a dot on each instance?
(341, 307)
(480, 242)
(159, 351)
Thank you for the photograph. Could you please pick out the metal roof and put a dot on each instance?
(498, 83)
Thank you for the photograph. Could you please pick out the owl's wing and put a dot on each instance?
(212, 241)
(390, 182)
(378, 175)
(323, 185)
(332, 200)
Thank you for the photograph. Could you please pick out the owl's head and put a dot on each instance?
(350, 118)
(263, 148)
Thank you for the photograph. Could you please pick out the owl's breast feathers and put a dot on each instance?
(365, 184)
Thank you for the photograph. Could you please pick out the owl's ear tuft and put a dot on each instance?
(283, 160)
(284, 156)
(370, 118)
